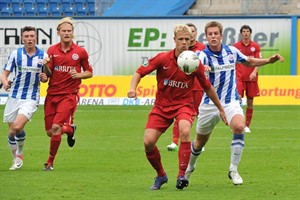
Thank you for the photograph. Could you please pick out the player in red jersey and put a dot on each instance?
(197, 91)
(67, 65)
(247, 77)
(174, 101)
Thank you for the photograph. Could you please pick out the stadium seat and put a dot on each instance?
(3, 4)
(66, 3)
(56, 11)
(83, 11)
(54, 3)
(69, 11)
(41, 3)
(79, 3)
(44, 12)
(6, 11)
(31, 12)
(18, 12)
(15, 4)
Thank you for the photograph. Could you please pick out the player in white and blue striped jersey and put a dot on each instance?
(220, 61)
(25, 65)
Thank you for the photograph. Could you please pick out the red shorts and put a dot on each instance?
(249, 87)
(160, 118)
(60, 109)
(197, 95)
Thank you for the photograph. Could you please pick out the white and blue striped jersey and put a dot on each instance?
(222, 75)
(25, 70)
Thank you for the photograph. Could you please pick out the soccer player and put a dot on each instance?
(222, 59)
(67, 65)
(247, 77)
(174, 101)
(25, 65)
(197, 91)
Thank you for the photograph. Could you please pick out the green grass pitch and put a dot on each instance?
(108, 161)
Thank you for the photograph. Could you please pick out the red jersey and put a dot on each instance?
(61, 64)
(197, 48)
(251, 50)
(174, 87)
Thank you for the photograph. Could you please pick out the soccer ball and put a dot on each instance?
(188, 62)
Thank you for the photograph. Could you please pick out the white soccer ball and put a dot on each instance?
(188, 62)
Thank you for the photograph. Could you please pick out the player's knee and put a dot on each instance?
(238, 128)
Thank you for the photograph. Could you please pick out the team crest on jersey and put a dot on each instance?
(230, 57)
(252, 49)
(75, 56)
(40, 61)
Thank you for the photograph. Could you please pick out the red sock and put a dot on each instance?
(66, 129)
(249, 113)
(54, 145)
(175, 132)
(155, 160)
(184, 154)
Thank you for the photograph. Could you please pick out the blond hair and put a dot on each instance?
(182, 28)
(68, 20)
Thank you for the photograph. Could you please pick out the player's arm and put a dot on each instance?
(211, 93)
(258, 62)
(45, 68)
(135, 80)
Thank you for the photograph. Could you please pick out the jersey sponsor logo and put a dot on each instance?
(75, 56)
(63, 68)
(176, 84)
(220, 68)
(28, 69)
(54, 56)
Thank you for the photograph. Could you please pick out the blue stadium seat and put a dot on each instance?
(44, 12)
(83, 11)
(3, 4)
(41, 3)
(18, 12)
(54, 3)
(66, 3)
(6, 11)
(31, 12)
(56, 11)
(69, 11)
(16, 4)
(79, 3)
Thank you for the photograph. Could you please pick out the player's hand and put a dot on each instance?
(43, 77)
(275, 58)
(131, 94)
(252, 76)
(207, 68)
(46, 61)
(74, 73)
(223, 117)
(7, 85)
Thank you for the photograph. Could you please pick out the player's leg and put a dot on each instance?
(251, 92)
(236, 121)
(155, 126)
(249, 113)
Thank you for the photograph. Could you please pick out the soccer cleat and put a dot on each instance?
(48, 167)
(235, 177)
(182, 182)
(19, 161)
(71, 138)
(159, 181)
(247, 129)
(13, 167)
(172, 147)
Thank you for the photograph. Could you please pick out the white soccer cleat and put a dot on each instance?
(235, 177)
(172, 147)
(247, 129)
(19, 161)
(13, 167)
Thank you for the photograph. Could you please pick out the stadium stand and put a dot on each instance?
(148, 7)
(245, 7)
(57, 8)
